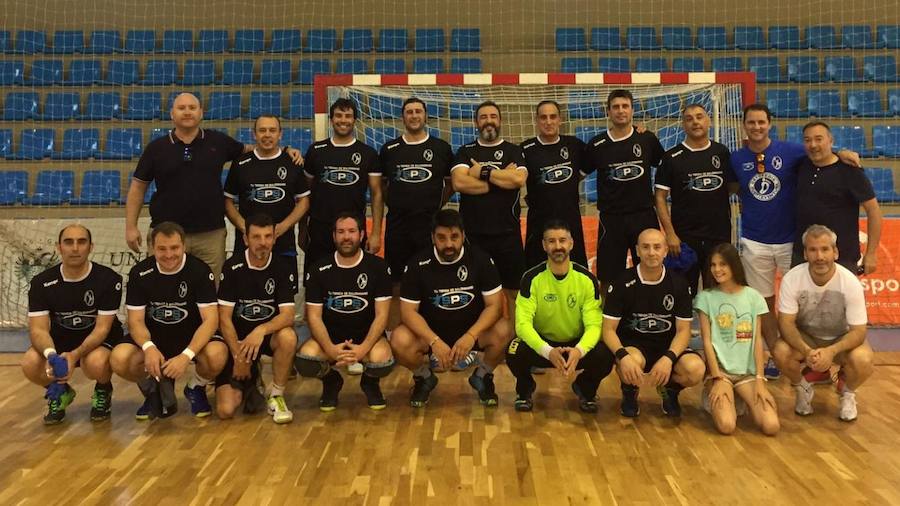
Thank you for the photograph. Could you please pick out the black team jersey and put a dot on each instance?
(623, 171)
(348, 294)
(415, 173)
(553, 175)
(497, 211)
(340, 178)
(268, 186)
(450, 295)
(74, 304)
(256, 294)
(647, 310)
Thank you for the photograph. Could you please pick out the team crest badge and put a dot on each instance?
(570, 301)
(182, 289)
(428, 155)
(282, 173)
(716, 162)
(777, 163)
(270, 286)
(564, 153)
(362, 281)
(498, 154)
(668, 302)
(462, 273)
(89, 298)
(356, 158)
(636, 149)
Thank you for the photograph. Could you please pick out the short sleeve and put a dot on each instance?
(856, 301)
(374, 166)
(787, 294)
(112, 295)
(135, 297)
(490, 277)
(701, 302)
(727, 170)
(462, 158)
(284, 287)
(858, 184)
(447, 157)
(38, 304)
(144, 170)
(301, 187)
(658, 151)
(309, 162)
(314, 291)
(590, 163)
(759, 303)
(227, 287)
(683, 309)
(231, 188)
(233, 147)
(520, 160)
(664, 175)
(206, 286)
(613, 307)
(383, 287)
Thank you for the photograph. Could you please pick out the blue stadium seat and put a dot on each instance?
(84, 73)
(156, 133)
(712, 38)
(104, 42)
(121, 72)
(888, 36)
(321, 41)
(249, 41)
(275, 72)
(641, 38)
(613, 65)
(604, 38)
(122, 144)
(351, 66)
(20, 106)
(822, 37)
(883, 184)
(894, 101)
(30, 42)
(465, 65)
(393, 40)
(61, 106)
(140, 41)
(160, 72)
(850, 137)
(265, 102)
(857, 37)
(237, 72)
(381, 107)
(79, 144)
(53, 187)
(46, 72)
(841, 69)
(285, 41)
(728, 64)
(223, 105)
(585, 104)
(465, 40)
(586, 133)
(67, 42)
(865, 103)
(766, 67)
(143, 105)
(749, 37)
(886, 140)
(12, 72)
(880, 69)
(429, 40)
(177, 42)
(198, 72)
(299, 138)
(793, 133)
(677, 37)
(5, 41)
(650, 64)
(682, 64)
(377, 136)
(390, 66)
(13, 187)
(590, 185)
(462, 135)
(244, 135)
(575, 65)
(803, 69)
(99, 188)
(663, 106)
(784, 37)
(212, 41)
(824, 103)
(670, 136)
(34, 144)
(428, 65)
(310, 68)
(357, 40)
(6, 136)
(784, 103)
(300, 105)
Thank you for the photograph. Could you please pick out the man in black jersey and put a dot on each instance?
(340, 170)
(72, 321)
(489, 173)
(266, 181)
(622, 158)
(450, 301)
(256, 316)
(697, 174)
(555, 164)
(647, 325)
(348, 296)
(172, 316)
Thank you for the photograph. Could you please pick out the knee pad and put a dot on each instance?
(380, 369)
(309, 367)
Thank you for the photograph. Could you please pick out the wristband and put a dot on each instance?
(148, 344)
(188, 353)
(485, 174)
(621, 353)
(49, 351)
(672, 356)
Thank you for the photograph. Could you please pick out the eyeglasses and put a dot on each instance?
(188, 154)
(760, 162)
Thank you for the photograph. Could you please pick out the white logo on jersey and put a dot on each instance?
(119, 285)
(462, 273)
(564, 153)
(777, 163)
(282, 173)
(428, 155)
(636, 149)
(362, 281)
(765, 186)
(498, 154)
(747, 166)
(716, 162)
(668, 302)
(211, 277)
(270, 286)
(182, 289)
(89, 298)
(51, 283)
(356, 158)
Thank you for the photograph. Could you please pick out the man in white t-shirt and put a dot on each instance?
(822, 317)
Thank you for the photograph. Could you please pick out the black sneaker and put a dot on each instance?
(332, 383)
(524, 404)
(584, 404)
(421, 390)
(371, 387)
(143, 412)
(101, 402)
(630, 406)
(670, 405)
(484, 385)
(57, 404)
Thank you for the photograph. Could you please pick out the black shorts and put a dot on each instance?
(171, 350)
(652, 353)
(616, 235)
(404, 236)
(226, 376)
(507, 253)
(534, 248)
(67, 345)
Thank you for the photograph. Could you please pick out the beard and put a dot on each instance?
(448, 254)
(489, 132)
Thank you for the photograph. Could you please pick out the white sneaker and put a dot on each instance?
(803, 403)
(278, 409)
(355, 369)
(848, 406)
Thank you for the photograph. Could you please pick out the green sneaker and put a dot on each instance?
(101, 402)
(56, 407)
(277, 407)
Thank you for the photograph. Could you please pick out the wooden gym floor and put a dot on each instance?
(452, 452)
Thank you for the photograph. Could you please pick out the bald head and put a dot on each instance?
(651, 235)
(74, 230)
(652, 248)
(186, 112)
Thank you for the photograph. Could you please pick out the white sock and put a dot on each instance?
(197, 381)
(276, 390)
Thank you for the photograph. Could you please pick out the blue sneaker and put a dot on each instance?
(199, 403)
(484, 385)
(771, 370)
(465, 362)
(143, 412)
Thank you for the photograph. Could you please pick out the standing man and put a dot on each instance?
(696, 174)
(348, 297)
(266, 181)
(172, 319)
(256, 317)
(72, 321)
(830, 193)
(647, 324)
(558, 306)
(555, 163)
(622, 158)
(450, 302)
(187, 167)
